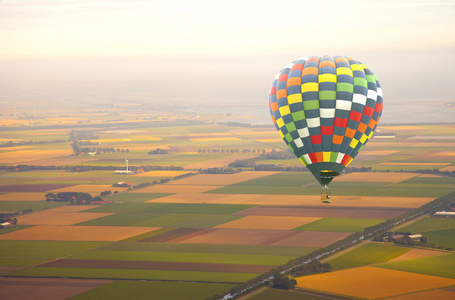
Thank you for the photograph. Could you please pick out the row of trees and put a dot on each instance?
(75, 198)
(231, 151)
(22, 143)
(294, 266)
(84, 168)
(158, 151)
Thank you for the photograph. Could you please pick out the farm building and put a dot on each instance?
(444, 214)
(6, 225)
(415, 236)
(123, 172)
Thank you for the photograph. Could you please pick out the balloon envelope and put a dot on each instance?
(325, 109)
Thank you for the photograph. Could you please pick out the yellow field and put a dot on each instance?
(402, 128)
(61, 218)
(417, 253)
(22, 197)
(375, 177)
(90, 189)
(76, 233)
(253, 132)
(210, 134)
(221, 179)
(379, 152)
(449, 168)
(372, 283)
(305, 200)
(267, 222)
(431, 176)
(269, 140)
(22, 156)
(414, 164)
(161, 174)
(445, 153)
(179, 189)
(214, 139)
(426, 295)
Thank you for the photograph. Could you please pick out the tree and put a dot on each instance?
(284, 283)
(424, 240)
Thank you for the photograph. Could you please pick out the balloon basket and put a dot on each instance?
(325, 195)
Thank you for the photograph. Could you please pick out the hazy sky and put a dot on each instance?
(219, 51)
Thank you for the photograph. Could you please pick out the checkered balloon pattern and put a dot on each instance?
(325, 109)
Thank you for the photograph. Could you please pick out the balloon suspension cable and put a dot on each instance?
(325, 194)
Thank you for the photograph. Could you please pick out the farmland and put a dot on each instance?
(378, 282)
(204, 232)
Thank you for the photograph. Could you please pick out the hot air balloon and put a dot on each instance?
(325, 109)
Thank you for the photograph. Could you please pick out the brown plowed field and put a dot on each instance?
(63, 218)
(35, 188)
(171, 235)
(22, 197)
(322, 212)
(312, 239)
(427, 295)
(376, 177)
(179, 189)
(46, 288)
(234, 236)
(417, 253)
(76, 233)
(187, 196)
(89, 188)
(450, 288)
(372, 283)
(266, 222)
(157, 265)
(220, 179)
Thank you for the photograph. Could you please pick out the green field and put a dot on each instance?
(441, 265)
(207, 248)
(429, 224)
(18, 206)
(20, 262)
(154, 290)
(350, 190)
(340, 224)
(135, 274)
(196, 257)
(367, 254)
(170, 208)
(126, 219)
(44, 249)
(206, 221)
(443, 237)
